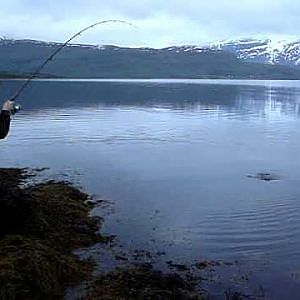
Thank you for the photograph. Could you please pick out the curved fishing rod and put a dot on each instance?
(38, 70)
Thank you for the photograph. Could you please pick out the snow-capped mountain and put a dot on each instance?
(252, 50)
(227, 59)
(263, 51)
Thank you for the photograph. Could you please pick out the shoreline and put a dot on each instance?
(41, 226)
(146, 79)
(265, 83)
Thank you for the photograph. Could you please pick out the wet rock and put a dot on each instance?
(120, 257)
(142, 253)
(178, 267)
(15, 205)
(201, 265)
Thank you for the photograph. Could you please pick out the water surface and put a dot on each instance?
(174, 157)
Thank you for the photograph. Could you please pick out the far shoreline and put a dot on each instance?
(208, 81)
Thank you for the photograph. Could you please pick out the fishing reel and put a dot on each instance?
(16, 109)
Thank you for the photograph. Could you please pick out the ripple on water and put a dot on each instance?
(271, 227)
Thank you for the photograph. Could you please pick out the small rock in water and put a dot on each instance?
(265, 176)
(178, 267)
(201, 265)
(120, 257)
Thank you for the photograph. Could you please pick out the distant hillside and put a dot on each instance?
(84, 61)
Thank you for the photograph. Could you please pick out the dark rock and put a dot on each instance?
(201, 265)
(265, 176)
(178, 267)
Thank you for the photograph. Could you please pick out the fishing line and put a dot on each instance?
(54, 53)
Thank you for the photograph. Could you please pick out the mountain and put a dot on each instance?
(90, 61)
(262, 51)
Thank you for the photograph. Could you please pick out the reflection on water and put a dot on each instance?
(175, 159)
(187, 96)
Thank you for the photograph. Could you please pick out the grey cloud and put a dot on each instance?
(160, 22)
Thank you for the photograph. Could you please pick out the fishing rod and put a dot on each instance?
(54, 53)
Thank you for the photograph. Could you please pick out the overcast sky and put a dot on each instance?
(159, 22)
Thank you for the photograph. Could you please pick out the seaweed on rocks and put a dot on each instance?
(33, 269)
(143, 282)
(40, 226)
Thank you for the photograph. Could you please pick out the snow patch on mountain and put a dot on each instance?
(264, 51)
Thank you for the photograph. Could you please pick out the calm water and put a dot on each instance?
(174, 157)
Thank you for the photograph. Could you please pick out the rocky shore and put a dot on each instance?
(40, 227)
